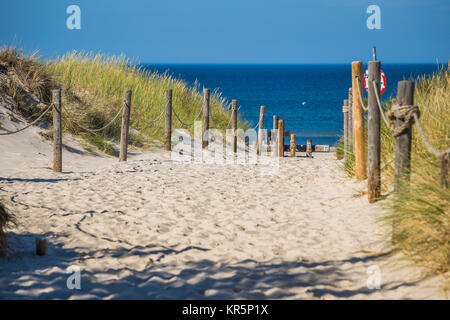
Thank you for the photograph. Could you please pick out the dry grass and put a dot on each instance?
(21, 75)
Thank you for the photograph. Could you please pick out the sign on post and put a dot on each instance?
(366, 82)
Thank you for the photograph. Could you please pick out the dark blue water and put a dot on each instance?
(308, 97)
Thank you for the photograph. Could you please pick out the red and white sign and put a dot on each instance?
(366, 82)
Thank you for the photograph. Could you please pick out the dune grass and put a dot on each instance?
(421, 209)
(94, 87)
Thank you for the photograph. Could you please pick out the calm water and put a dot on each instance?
(308, 97)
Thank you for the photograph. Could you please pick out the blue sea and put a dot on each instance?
(308, 97)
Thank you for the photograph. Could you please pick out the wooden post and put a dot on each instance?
(125, 126)
(293, 146)
(374, 133)
(309, 148)
(41, 247)
(346, 129)
(350, 118)
(205, 127)
(57, 130)
(445, 163)
(168, 121)
(262, 114)
(234, 123)
(281, 138)
(405, 97)
(358, 122)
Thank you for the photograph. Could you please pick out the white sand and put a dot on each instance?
(153, 229)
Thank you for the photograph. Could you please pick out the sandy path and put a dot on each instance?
(151, 228)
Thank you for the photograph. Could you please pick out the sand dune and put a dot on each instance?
(154, 229)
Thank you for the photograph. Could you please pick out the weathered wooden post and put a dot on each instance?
(168, 121)
(57, 130)
(374, 133)
(41, 247)
(309, 148)
(405, 97)
(125, 126)
(358, 122)
(281, 138)
(205, 127)
(234, 123)
(346, 129)
(350, 119)
(262, 114)
(293, 146)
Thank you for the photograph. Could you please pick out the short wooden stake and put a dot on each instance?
(41, 247)
(405, 97)
(358, 122)
(168, 121)
(374, 133)
(262, 114)
(346, 129)
(125, 126)
(234, 123)
(57, 130)
(293, 146)
(205, 127)
(281, 138)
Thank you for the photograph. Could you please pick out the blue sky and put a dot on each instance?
(233, 31)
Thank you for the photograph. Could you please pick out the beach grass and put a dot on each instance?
(420, 211)
(94, 88)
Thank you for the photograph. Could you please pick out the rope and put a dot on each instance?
(100, 129)
(360, 95)
(229, 122)
(380, 105)
(402, 112)
(151, 123)
(186, 124)
(431, 149)
(30, 124)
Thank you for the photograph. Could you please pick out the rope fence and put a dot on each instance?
(398, 119)
(30, 124)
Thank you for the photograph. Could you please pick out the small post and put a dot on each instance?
(309, 148)
(445, 163)
(346, 129)
(293, 146)
(262, 114)
(350, 118)
(358, 122)
(374, 133)
(57, 130)
(168, 122)
(405, 97)
(374, 52)
(234, 123)
(281, 138)
(41, 247)
(205, 127)
(125, 126)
